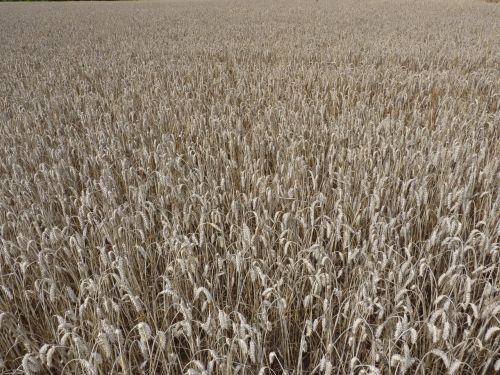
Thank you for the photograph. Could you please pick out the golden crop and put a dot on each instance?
(263, 187)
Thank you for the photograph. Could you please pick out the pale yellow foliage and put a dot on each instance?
(243, 187)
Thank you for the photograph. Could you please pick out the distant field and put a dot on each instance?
(17, 1)
(264, 187)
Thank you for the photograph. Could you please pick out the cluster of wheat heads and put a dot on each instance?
(250, 188)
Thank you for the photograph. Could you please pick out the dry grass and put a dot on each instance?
(250, 188)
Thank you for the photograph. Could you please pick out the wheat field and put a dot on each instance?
(263, 187)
